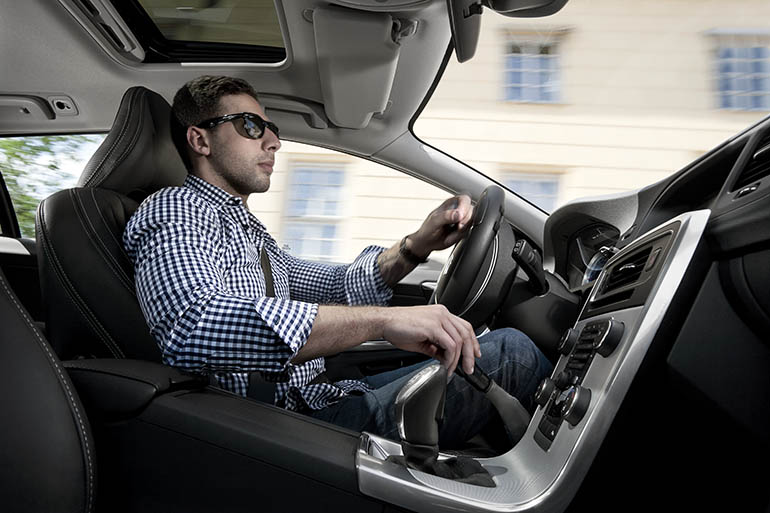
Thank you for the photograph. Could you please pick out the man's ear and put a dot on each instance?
(198, 141)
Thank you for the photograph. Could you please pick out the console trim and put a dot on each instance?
(529, 478)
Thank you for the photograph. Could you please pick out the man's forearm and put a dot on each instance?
(338, 328)
(431, 330)
(393, 265)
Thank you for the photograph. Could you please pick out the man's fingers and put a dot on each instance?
(449, 350)
(457, 335)
(470, 345)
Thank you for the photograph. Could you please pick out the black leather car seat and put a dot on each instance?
(47, 460)
(87, 281)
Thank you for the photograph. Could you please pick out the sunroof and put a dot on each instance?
(249, 22)
(205, 30)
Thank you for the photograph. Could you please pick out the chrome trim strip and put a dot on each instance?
(527, 477)
(490, 270)
(372, 345)
(10, 246)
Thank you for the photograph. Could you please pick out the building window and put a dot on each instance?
(743, 77)
(532, 72)
(314, 212)
(539, 189)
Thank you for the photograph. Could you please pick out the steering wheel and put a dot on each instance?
(470, 266)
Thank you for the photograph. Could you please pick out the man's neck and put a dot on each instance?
(217, 181)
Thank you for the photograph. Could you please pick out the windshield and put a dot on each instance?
(602, 97)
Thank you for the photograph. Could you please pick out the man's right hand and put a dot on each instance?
(434, 331)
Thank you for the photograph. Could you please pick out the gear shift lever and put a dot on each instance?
(514, 415)
(419, 409)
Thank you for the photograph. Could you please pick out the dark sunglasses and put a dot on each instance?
(246, 123)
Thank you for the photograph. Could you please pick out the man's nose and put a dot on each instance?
(270, 141)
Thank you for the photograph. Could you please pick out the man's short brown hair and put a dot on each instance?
(197, 101)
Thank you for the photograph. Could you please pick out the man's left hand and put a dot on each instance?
(444, 226)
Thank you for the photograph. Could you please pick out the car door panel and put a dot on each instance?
(169, 443)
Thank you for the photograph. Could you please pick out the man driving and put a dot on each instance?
(222, 298)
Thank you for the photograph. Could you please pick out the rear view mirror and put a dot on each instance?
(465, 18)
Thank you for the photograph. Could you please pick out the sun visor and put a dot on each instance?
(357, 61)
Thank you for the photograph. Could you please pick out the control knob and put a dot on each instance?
(612, 333)
(568, 341)
(544, 391)
(575, 404)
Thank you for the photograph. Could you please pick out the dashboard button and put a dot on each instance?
(576, 404)
(544, 391)
(568, 341)
(610, 337)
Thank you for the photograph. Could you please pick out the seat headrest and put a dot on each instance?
(138, 156)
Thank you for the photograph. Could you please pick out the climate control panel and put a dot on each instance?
(563, 398)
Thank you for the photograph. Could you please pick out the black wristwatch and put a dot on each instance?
(408, 255)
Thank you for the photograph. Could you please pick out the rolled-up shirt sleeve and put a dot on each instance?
(357, 283)
(197, 321)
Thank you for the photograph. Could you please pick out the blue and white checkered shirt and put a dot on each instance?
(199, 281)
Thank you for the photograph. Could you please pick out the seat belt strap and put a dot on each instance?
(259, 388)
(264, 261)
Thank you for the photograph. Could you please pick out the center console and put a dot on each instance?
(599, 358)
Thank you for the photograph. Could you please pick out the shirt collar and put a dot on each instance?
(211, 193)
(219, 198)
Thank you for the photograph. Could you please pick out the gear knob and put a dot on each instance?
(419, 409)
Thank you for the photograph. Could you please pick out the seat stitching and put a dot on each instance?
(73, 405)
(81, 307)
(104, 253)
(70, 289)
(98, 168)
(98, 171)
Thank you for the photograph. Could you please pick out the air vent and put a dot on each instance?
(627, 271)
(581, 356)
(758, 166)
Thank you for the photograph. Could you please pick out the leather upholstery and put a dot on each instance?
(87, 281)
(137, 157)
(48, 461)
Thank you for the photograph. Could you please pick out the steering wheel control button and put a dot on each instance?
(611, 333)
(575, 404)
(568, 341)
(544, 391)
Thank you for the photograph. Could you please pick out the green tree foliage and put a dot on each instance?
(36, 167)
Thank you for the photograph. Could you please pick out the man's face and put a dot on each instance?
(245, 164)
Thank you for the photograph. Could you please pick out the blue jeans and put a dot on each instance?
(507, 355)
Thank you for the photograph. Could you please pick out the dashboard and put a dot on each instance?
(645, 374)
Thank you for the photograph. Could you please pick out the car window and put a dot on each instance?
(35, 167)
(328, 206)
(600, 98)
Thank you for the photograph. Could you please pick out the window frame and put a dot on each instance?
(737, 39)
(9, 223)
(554, 37)
(337, 220)
(552, 86)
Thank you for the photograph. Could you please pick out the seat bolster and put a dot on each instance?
(45, 438)
(86, 277)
